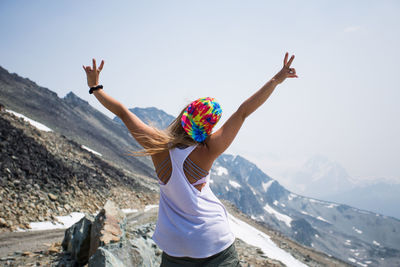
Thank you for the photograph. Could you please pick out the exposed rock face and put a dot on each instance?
(108, 227)
(77, 240)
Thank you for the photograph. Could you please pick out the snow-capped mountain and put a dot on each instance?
(353, 235)
(356, 236)
(320, 177)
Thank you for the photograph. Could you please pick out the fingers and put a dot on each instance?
(292, 73)
(87, 68)
(285, 60)
(101, 65)
(93, 68)
(290, 61)
(94, 64)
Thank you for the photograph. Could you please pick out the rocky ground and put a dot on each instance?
(43, 175)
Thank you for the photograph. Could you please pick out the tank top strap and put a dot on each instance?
(178, 155)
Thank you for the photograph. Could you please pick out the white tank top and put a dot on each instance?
(191, 223)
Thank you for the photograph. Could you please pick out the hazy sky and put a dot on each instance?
(166, 53)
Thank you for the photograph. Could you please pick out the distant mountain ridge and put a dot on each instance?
(331, 182)
(151, 115)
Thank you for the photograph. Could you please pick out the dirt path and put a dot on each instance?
(40, 240)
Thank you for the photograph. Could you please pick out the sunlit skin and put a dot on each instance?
(216, 143)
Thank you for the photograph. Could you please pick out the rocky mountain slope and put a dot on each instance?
(353, 235)
(44, 174)
(74, 118)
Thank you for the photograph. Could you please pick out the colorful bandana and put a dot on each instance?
(200, 117)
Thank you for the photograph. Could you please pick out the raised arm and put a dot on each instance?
(219, 141)
(136, 126)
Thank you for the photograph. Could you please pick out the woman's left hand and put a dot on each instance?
(92, 74)
(286, 71)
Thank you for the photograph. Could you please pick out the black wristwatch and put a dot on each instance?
(94, 88)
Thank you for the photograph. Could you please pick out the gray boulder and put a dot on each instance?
(77, 240)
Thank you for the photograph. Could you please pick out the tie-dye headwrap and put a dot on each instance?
(200, 117)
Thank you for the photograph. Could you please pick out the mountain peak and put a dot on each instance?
(74, 99)
(152, 115)
(5, 75)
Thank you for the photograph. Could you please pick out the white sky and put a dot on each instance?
(167, 53)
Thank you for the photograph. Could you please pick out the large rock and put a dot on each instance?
(108, 227)
(102, 257)
(77, 240)
(103, 242)
(140, 251)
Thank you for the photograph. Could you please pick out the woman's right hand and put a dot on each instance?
(92, 74)
(286, 71)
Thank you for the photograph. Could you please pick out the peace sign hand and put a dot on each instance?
(92, 74)
(286, 71)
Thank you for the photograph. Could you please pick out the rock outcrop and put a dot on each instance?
(103, 242)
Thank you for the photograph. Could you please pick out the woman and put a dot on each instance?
(192, 227)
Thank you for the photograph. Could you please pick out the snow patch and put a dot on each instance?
(322, 219)
(348, 242)
(38, 125)
(234, 184)
(252, 190)
(66, 221)
(149, 207)
(267, 185)
(91, 150)
(331, 206)
(376, 243)
(352, 260)
(291, 196)
(316, 201)
(361, 264)
(276, 202)
(129, 210)
(254, 237)
(211, 181)
(357, 230)
(221, 171)
(226, 188)
(316, 236)
(283, 205)
(282, 217)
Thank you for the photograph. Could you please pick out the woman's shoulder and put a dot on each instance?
(201, 156)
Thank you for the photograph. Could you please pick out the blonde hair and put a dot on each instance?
(173, 136)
